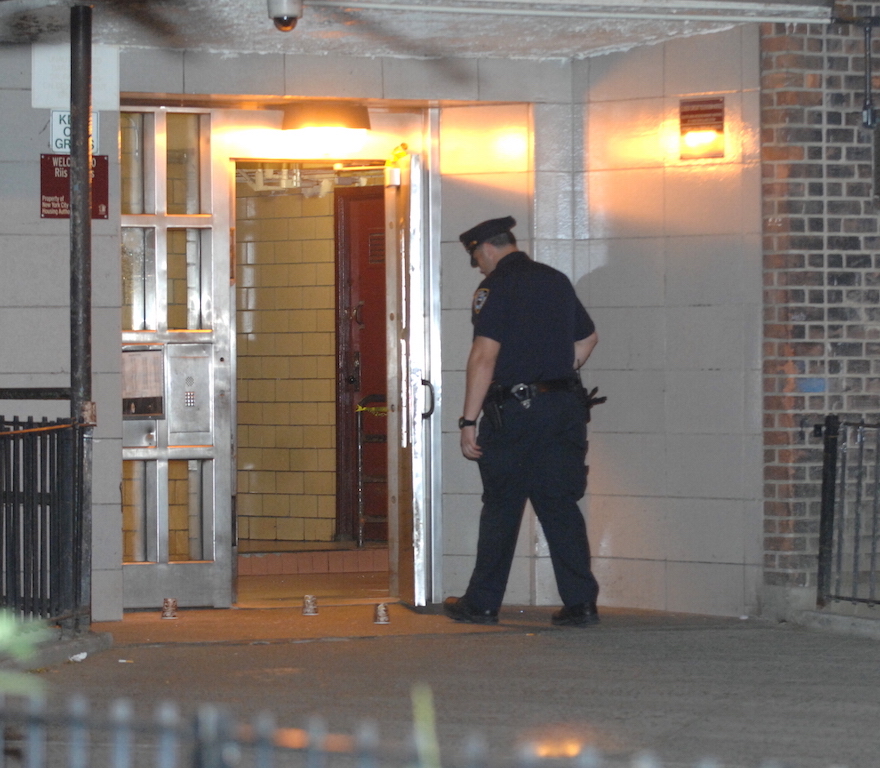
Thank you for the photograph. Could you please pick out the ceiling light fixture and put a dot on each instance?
(326, 128)
(325, 115)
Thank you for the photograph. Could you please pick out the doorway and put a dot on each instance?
(361, 402)
(307, 240)
(231, 365)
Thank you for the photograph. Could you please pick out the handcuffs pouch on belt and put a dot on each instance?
(493, 406)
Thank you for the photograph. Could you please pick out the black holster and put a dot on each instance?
(492, 406)
(589, 399)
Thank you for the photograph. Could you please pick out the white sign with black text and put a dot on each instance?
(59, 134)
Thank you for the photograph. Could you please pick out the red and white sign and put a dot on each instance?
(55, 187)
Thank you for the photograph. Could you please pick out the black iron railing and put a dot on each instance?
(34, 737)
(40, 556)
(849, 526)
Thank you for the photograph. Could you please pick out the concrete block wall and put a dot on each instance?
(821, 275)
(35, 291)
(666, 256)
(668, 262)
(35, 301)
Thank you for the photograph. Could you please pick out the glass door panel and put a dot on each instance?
(138, 279)
(185, 484)
(135, 130)
(184, 156)
(134, 511)
(184, 287)
(186, 494)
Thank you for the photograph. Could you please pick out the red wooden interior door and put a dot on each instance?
(361, 423)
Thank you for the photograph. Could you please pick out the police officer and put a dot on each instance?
(531, 335)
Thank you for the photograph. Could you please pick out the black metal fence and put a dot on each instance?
(849, 527)
(40, 558)
(33, 737)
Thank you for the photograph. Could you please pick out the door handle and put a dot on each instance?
(427, 414)
(356, 314)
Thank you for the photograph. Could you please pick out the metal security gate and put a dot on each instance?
(849, 528)
(40, 534)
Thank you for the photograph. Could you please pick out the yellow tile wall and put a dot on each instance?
(286, 366)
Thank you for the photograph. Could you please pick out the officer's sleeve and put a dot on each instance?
(487, 312)
(583, 323)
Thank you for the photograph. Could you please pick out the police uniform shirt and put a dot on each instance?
(532, 310)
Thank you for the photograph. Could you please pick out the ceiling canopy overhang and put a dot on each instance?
(532, 29)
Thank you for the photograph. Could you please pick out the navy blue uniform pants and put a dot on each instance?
(538, 454)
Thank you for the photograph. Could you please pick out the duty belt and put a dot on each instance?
(525, 392)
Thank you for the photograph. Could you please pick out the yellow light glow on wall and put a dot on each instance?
(702, 128)
(303, 144)
(514, 145)
(485, 139)
(326, 142)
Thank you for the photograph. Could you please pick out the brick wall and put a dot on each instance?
(821, 271)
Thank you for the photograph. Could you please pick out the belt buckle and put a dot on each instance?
(523, 393)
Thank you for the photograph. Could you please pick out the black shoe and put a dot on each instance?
(576, 615)
(458, 609)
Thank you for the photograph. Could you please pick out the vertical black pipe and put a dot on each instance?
(826, 519)
(82, 410)
(869, 113)
(875, 513)
(80, 206)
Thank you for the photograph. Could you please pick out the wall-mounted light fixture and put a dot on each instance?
(325, 115)
(327, 129)
(702, 128)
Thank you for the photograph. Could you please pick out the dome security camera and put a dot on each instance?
(285, 13)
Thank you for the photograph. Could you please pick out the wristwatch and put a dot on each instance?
(463, 422)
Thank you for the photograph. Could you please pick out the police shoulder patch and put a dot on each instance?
(480, 299)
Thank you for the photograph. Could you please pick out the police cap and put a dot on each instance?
(484, 231)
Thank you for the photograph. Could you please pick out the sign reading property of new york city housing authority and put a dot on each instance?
(55, 187)
(59, 134)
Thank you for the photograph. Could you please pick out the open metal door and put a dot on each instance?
(178, 353)
(410, 394)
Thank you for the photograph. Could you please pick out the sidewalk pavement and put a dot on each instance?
(682, 686)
